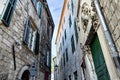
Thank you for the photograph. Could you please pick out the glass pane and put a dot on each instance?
(7, 11)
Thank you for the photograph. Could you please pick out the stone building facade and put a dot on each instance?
(98, 39)
(20, 37)
(46, 32)
(68, 51)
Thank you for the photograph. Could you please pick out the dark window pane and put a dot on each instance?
(8, 12)
(72, 44)
(75, 75)
(66, 55)
(76, 33)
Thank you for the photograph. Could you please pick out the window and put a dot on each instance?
(66, 55)
(65, 34)
(61, 46)
(8, 12)
(48, 58)
(39, 8)
(72, 5)
(75, 75)
(63, 40)
(37, 43)
(70, 22)
(35, 3)
(69, 77)
(76, 33)
(64, 20)
(61, 63)
(72, 44)
(31, 36)
(64, 58)
(68, 6)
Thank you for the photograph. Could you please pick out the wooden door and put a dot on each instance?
(99, 62)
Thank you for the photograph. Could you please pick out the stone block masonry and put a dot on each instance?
(12, 34)
(112, 15)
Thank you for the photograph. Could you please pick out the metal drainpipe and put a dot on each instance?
(113, 50)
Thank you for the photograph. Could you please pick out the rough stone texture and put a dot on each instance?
(10, 35)
(112, 15)
(111, 11)
(74, 59)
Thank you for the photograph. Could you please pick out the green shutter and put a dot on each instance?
(39, 9)
(70, 22)
(65, 34)
(63, 40)
(8, 12)
(72, 44)
(69, 77)
(66, 55)
(64, 58)
(99, 62)
(76, 32)
(26, 32)
(37, 43)
(68, 6)
(72, 5)
(75, 75)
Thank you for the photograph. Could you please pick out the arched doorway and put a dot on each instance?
(26, 75)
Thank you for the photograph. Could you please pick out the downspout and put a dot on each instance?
(113, 50)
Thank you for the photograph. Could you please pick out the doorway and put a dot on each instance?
(26, 75)
(99, 61)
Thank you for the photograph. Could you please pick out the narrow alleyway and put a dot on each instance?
(59, 40)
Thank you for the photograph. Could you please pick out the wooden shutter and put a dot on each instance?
(39, 8)
(37, 43)
(8, 12)
(70, 22)
(34, 2)
(76, 33)
(72, 44)
(26, 32)
(99, 61)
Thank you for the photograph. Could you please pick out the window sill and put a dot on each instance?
(27, 48)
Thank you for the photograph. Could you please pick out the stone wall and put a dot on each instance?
(111, 11)
(74, 58)
(12, 34)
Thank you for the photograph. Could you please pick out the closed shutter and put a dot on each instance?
(37, 43)
(26, 32)
(76, 33)
(39, 8)
(99, 61)
(8, 12)
(34, 2)
(72, 44)
(70, 22)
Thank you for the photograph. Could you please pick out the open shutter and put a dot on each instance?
(26, 32)
(37, 43)
(34, 2)
(39, 8)
(8, 12)
(76, 32)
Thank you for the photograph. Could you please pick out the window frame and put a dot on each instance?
(8, 12)
(30, 39)
(75, 75)
(76, 31)
(70, 21)
(72, 44)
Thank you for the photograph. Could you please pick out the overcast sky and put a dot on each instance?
(55, 8)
